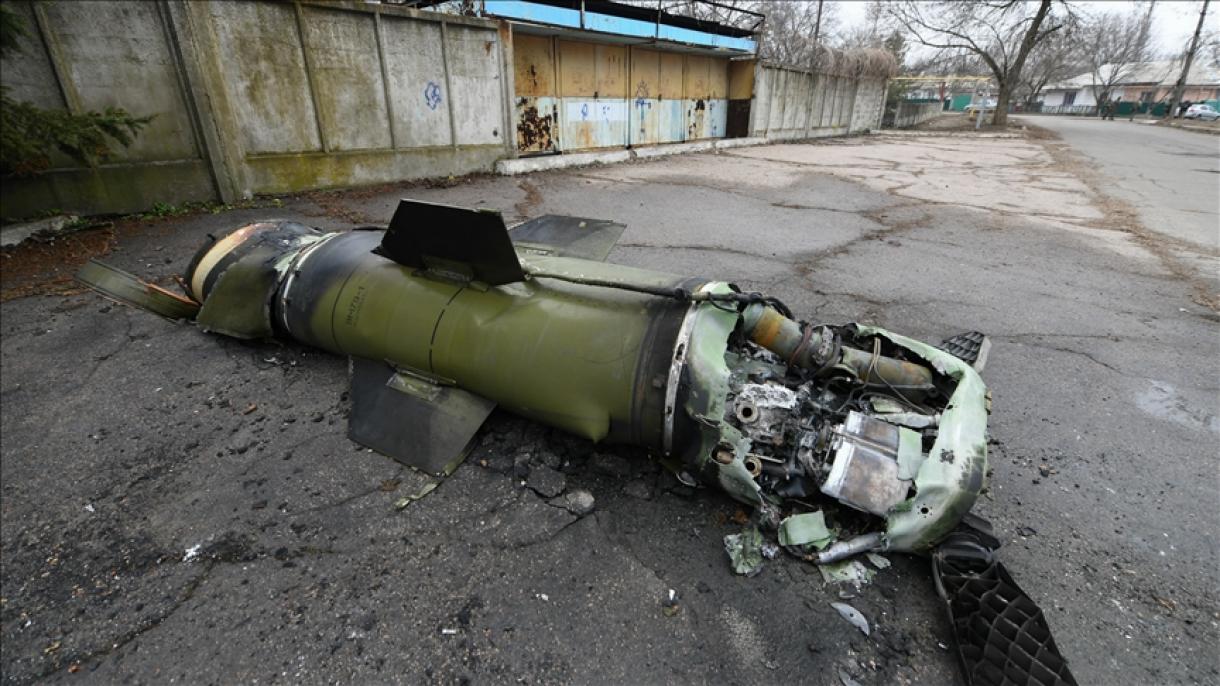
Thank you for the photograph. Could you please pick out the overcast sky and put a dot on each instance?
(1174, 21)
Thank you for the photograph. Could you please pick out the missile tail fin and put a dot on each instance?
(129, 289)
(563, 236)
(421, 424)
(471, 245)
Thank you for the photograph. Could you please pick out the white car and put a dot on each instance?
(985, 105)
(1203, 112)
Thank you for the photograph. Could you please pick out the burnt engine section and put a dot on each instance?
(830, 433)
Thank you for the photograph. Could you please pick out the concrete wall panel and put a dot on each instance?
(474, 79)
(115, 54)
(28, 72)
(263, 67)
(342, 52)
(793, 103)
(416, 72)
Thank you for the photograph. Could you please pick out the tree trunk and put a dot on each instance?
(1190, 57)
(1001, 105)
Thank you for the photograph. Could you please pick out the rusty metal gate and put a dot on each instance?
(575, 95)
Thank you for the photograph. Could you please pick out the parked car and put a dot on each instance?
(1203, 112)
(985, 105)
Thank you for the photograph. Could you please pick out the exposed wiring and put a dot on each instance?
(680, 294)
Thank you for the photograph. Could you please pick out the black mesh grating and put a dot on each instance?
(1003, 638)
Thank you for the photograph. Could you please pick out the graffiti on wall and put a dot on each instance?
(432, 95)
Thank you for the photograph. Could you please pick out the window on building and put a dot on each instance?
(1069, 98)
(1147, 96)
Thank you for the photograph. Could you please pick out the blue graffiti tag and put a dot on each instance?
(432, 95)
(584, 111)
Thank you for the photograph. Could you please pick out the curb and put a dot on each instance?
(526, 165)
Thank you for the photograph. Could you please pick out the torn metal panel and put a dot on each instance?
(127, 288)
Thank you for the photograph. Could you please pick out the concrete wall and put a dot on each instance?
(914, 113)
(89, 56)
(260, 96)
(795, 103)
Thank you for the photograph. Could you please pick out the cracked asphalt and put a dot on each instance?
(180, 507)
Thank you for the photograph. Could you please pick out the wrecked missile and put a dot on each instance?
(446, 314)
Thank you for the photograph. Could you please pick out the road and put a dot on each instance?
(1172, 176)
(179, 506)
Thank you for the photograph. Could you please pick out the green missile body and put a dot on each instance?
(447, 314)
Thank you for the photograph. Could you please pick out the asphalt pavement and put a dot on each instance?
(181, 507)
(1171, 175)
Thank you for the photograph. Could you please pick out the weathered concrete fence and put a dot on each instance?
(913, 113)
(797, 103)
(274, 96)
(260, 97)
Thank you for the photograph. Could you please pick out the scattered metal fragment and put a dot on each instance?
(878, 561)
(805, 529)
(854, 616)
(847, 571)
(846, 679)
(745, 551)
(418, 495)
(669, 604)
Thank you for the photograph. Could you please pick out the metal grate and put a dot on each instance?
(1003, 638)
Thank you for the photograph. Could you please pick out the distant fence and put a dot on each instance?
(909, 113)
(1078, 110)
(259, 97)
(795, 103)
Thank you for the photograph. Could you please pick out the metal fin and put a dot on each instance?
(556, 234)
(1002, 636)
(454, 242)
(131, 290)
(421, 424)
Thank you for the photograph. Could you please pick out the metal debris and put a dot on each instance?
(745, 551)
(805, 529)
(412, 497)
(852, 615)
(847, 571)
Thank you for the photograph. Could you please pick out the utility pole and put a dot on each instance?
(1180, 86)
(817, 24)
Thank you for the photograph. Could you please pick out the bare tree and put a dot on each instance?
(1186, 61)
(1001, 32)
(871, 33)
(1114, 45)
(789, 32)
(1054, 59)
